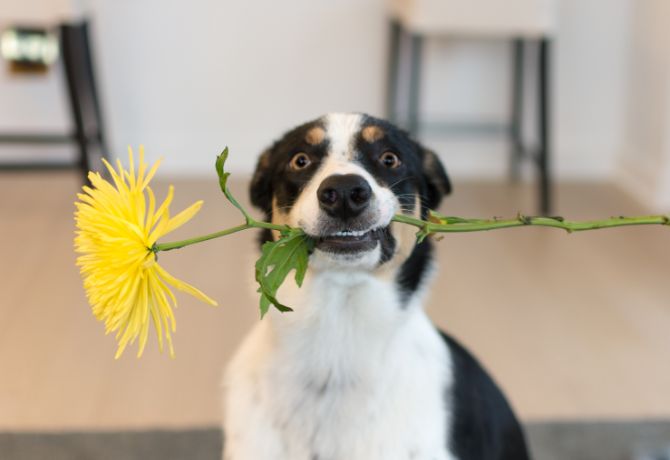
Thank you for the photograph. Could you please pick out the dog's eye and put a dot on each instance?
(390, 160)
(300, 161)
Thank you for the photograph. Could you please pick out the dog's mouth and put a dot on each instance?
(349, 241)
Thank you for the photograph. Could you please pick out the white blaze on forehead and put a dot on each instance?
(341, 130)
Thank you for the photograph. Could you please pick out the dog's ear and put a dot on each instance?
(260, 190)
(435, 177)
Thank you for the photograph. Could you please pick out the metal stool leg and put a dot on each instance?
(393, 71)
(516, 131)
(416, 52)
(544, 121)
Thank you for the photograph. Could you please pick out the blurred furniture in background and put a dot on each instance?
(86, 117)
(527, 24)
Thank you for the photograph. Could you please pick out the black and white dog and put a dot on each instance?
(358, 371)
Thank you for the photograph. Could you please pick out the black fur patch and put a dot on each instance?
(483, 424)
(414, 269)
(388, 244)
(420, 173)
(273, 176)
(406, 180)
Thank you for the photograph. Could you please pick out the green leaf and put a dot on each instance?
(277, 260)
(223, 176)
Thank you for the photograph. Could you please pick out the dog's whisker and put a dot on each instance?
(400, 181)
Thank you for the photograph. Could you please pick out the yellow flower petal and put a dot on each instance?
(182, 286)
(183, 217)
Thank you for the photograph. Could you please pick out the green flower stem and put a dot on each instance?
(234, 202)
(461, 225)
(439, 224)
(199, 239)
(229, 231)
(435, 224)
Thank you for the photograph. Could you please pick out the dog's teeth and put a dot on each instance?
(350, 233)
(347, 233)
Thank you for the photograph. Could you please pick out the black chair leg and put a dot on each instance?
(544, 123)
(416, 54)
(86, 113)
(516, 132)
(84, 157)
(393, 71)
(71, 48)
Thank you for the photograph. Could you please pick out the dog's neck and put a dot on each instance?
(342, 322)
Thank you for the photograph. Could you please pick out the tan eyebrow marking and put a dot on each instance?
(372, 133)
(315, 136)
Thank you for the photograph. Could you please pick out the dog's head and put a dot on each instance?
(341, 178)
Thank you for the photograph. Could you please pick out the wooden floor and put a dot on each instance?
(572, 326)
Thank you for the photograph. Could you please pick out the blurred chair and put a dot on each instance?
(85, 111)
(525, 23)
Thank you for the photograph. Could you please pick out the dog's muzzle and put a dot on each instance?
(346, 200)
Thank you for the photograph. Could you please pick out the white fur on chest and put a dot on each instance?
(350, 374)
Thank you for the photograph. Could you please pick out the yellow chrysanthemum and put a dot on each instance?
(118, 225)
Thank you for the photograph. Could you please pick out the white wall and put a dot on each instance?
(187, 78)
(645, 161)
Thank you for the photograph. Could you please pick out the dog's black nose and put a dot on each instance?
(344, 195)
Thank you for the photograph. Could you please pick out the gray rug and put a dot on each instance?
(549, 441)
(647, 440)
